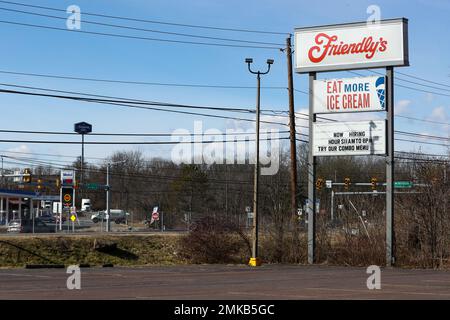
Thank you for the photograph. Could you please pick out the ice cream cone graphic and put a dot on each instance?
(380, 86)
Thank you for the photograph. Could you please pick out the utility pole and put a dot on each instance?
(108, 198)
(292, 128)
(254, 260)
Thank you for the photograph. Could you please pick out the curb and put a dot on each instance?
(44, 266)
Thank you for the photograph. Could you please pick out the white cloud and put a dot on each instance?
(429, 97)
(20, 149)
(401, 106)
(439, 114)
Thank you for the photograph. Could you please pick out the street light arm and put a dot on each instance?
(268, 69)
(250, 69)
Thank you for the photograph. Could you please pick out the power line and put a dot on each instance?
(137, 82)
(133, 134)
(133, 142)
(419, 78)
(408, 87)
(152, 21)
(130, 104)
(30, 25)
(422, 135)
(143, 29)
(423, 120)
(195, 86)
(409, 81)
(423, 142)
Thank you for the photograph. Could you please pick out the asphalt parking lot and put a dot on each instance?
(269, 282)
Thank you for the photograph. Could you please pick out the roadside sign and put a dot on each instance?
(403, 184)
(349, 138)
(67, 197)
(91, 186)
(352, 46)
(83, 128)
(329, 184)
(73, 218)
(364, 94)
(67, 177)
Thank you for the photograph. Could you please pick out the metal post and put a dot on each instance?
(3, 179)
(162, 221)
(60, 208)
(81, 167)
(7, 210)
(292, 129)
(254, 260)
(31, 211)
(20, 208)
(108, 198)
(332, 205)
(256, 175)
(311, 177)
(390, 239)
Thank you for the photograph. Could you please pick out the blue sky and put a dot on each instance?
(80, 55)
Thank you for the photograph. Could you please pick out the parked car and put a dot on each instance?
(116, 215)
(48, 218)
(26, 226)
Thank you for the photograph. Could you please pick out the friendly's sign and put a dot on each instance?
(349, 138)
(352, 46)
(349, 95)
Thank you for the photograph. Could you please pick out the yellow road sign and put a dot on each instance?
(73, 218)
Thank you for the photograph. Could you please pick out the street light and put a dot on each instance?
(254, 260)
(108, 194)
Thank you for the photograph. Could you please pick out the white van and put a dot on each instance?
(86, 205)
(116, 215)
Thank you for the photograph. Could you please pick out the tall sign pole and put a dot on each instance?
(311, 208)
(390, 237)
(82, 128)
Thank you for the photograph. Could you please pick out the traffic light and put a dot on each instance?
(319, 183)
(347, 183)
(26, 178)
(373, 183)
(39, 184)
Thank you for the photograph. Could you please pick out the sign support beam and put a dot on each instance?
(311, 176)
(390, 238)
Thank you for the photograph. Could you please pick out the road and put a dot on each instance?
(224, 282)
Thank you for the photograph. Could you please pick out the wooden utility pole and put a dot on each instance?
(292, 134)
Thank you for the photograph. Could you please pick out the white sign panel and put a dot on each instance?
(352, 46)
(349, 138)
(349, 95)
(67, 177)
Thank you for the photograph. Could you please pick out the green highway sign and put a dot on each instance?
(92, 186)
(403, 184)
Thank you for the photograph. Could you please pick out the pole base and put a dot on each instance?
(254, 262)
